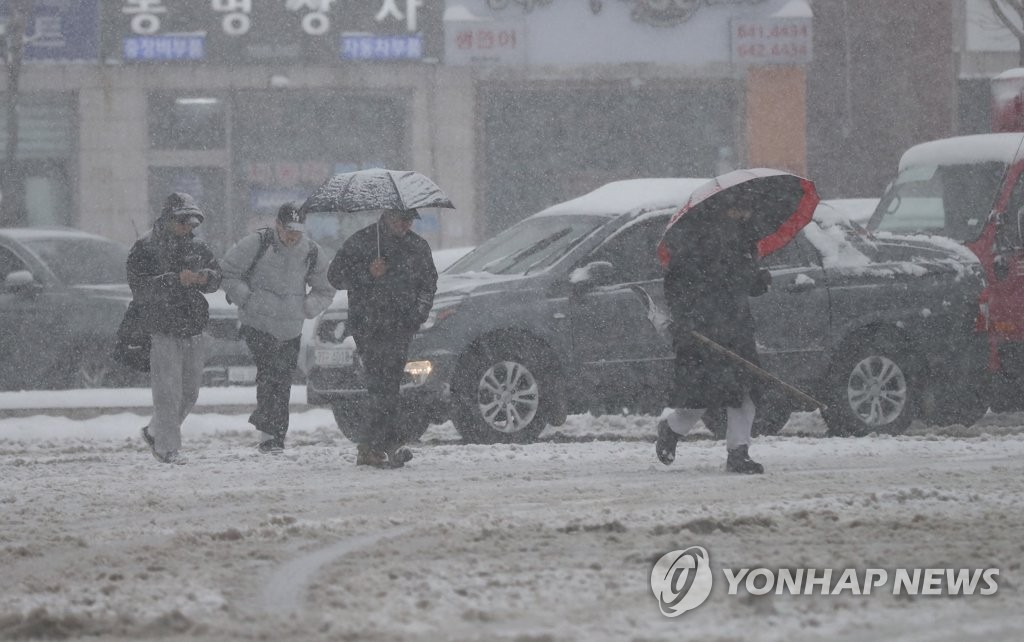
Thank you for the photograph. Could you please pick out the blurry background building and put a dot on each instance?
(510, 105)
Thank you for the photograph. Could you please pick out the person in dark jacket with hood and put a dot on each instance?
(168, 271)
(711, 275)
(390, 276)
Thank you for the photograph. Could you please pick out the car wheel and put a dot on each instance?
(353, 418)
(871, 388)
(93, 368)
(502, 397)
(769, 418)
(348, 420)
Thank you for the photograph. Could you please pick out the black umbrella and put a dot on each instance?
(376, 189)
(781, 203)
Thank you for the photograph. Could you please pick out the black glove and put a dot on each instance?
(761, 282)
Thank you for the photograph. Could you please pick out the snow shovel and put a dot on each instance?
(759, 371)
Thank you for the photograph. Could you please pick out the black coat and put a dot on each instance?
(397, 303)
(166, 306)
(709, 281)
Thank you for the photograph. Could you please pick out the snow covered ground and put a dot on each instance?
(550, 541)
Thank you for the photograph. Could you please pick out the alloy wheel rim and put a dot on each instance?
(877, 391)
(508, 396)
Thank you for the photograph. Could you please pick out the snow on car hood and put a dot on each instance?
(116, 291)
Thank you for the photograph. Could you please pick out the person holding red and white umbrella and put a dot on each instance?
(711, 250)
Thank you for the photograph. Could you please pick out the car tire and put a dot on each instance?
(503, 396)
(769, 418)
(92, 367)
(872, 387)
(352, 417)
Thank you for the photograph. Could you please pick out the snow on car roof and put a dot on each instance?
(636, 194)
(963, 150)
(30, 233)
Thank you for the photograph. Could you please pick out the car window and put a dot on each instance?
(82, 261)
(9, 262)
(792, 254)
(953, 200)
(530, 246)
(633, 250)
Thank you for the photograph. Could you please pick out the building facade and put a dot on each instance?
(509, 105)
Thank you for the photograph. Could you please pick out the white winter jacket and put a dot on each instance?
(278, 295)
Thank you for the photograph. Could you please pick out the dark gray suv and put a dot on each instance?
(552, 317)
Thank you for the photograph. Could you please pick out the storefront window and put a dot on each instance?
(186, 121)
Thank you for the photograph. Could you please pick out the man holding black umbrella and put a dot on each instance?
(390, 276)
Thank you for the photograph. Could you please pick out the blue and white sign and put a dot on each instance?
(367, 47)
(61, 30)
(165, 47)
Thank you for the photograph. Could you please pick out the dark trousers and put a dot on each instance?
(384, 365)
(276, 361)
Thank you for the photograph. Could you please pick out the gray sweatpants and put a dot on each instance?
(739, 422)
(175, 373)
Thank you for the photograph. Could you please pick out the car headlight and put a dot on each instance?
(437, 315)
(418, 371)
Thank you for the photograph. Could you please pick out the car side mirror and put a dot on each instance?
(20, 282)
(591, 275)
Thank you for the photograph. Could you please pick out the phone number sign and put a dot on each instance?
(771, 41)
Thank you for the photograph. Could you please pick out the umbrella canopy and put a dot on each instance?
(781, 203)
(376, 189)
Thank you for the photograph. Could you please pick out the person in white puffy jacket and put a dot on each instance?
(277, 277)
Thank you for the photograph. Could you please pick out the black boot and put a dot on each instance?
(665, 446)
(739, 461)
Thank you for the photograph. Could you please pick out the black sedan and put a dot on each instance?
(63, 293)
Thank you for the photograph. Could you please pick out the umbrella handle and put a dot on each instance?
(378, 239)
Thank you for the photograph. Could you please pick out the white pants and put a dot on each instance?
(175, 373)
(739, 422)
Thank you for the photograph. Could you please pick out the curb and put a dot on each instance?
(92, 413)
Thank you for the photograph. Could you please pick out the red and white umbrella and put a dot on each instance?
(781, 203)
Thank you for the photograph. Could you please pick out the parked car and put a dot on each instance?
(63, 293)
(551, 317)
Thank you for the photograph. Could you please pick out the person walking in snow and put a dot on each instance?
(277, 278)
(168, 272)
(390, 276)
(710, 277)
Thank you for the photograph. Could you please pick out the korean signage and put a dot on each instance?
(771, 41)
(61, 30)
(485, 42)
(253, 31)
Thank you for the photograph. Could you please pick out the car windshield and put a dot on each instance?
(952, 200)
(82, 261)
(531, 245)
(331, 229)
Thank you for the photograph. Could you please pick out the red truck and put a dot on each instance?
(971, 189)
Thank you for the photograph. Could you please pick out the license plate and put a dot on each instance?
(337, 357)
(241, 374)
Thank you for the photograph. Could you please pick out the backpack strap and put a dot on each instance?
(311, 259)
(265, 240)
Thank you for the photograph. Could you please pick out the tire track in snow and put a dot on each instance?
(285, 591)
